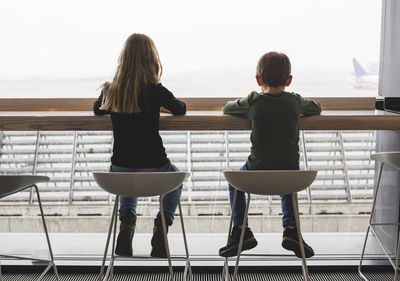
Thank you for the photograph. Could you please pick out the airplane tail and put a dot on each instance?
(358, 69)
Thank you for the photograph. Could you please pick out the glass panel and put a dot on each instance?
(334, 209)
(207, 48)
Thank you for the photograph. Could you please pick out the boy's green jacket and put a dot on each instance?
(274, 127)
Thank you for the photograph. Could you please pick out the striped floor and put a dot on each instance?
(318, 276)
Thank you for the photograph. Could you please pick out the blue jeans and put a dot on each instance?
(170, 200)
(240, 207)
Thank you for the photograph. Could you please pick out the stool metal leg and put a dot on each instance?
(396, 270)
(171, 272)
(188, 268)
(300, 236)
(111, 266)
(225, 270)
(51, 264)
(370, 223)
(113, 218)
(241, 238)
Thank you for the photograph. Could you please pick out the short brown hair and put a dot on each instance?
(274, 69)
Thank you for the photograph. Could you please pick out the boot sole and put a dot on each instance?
(157, 253)
(122, 252)
(232, 251)
(294, 246)
(158, 247)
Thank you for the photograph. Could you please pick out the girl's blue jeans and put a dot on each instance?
(240, 207)
(170, 200)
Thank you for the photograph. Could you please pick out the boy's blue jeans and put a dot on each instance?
(170, 200)
(238, 214)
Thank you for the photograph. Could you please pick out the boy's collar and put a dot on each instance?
(273, 94)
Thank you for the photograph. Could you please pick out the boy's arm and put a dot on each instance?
(97, 105)
(239, 106)
(309, 107)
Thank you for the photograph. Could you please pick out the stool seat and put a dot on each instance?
(389, 158)
(139, 184)
(270, 182)
(267, 182)
(10, 184)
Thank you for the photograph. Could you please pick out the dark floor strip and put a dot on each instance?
(315, 276)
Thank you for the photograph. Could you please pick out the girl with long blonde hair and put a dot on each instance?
(134, 98)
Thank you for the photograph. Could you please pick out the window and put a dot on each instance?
(208, 48)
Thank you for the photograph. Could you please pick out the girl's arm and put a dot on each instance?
(169, 102)
(97, 105)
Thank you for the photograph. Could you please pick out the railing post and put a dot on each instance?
(345, 170)
(305, 160)
(35, 160)
(71, 184)
(226, 136)
(189, 164)
(1, 142)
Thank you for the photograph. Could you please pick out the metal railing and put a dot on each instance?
(342, 158)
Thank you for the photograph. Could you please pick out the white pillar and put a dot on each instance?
(389, 68)
(388, 200)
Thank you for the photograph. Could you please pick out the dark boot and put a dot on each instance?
(291, 242)
(159, 249)
(231, 248)
(125, 235)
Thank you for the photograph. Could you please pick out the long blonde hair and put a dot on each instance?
(138, 65)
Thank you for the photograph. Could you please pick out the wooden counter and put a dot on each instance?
(195, 120)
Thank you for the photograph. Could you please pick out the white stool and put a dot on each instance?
(268, 182)
(392, 159)
(141, 184)
(10, 184)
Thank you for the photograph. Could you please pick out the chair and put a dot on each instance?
(268, 182)
(392, 159)
(137, 184)
(10, 184)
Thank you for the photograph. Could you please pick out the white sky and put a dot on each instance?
(76, 38)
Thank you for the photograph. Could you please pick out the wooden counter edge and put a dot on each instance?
(197, 122)
(193, 104)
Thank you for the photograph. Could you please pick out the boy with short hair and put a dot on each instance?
(275, 116)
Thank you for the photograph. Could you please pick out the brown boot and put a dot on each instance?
(125, 235)
(159, 249)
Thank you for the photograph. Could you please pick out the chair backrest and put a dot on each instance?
(140, 184)
(10, 184)
(270, 182)
(390, 158)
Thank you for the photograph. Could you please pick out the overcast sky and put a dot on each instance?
(75, 38)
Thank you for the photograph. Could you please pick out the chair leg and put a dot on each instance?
(370, 222)
(51, 264)
(300, 236)
(362, 255)
(113, 242)
(1, 278)
(188, 268)
(171, 272)
(225, 270)
(113, 217)
(396, 270)
(241, 238)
